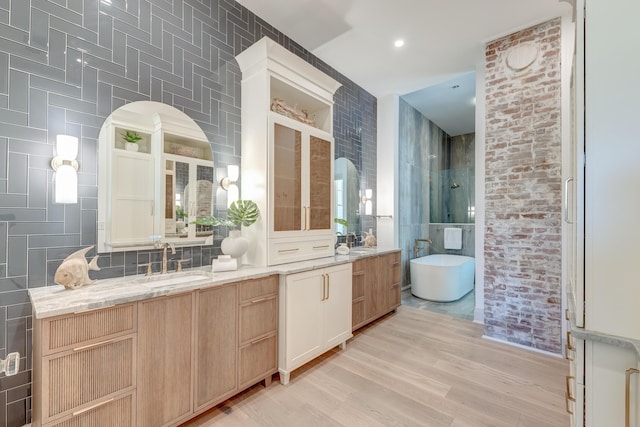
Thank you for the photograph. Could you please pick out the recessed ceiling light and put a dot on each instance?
(398, 43)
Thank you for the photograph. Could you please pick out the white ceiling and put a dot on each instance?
(443, 43)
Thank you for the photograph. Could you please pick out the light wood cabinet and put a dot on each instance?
(72, 383)
(287, 159)
(376, 288)
(165, 360)
(157, 362)
(258, 331)
(315, 317)
(216, 345)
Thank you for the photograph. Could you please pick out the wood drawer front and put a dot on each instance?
(258, 360)
(357, 285)
(358, 314)
(257, 288)
(117, 411)
(81, 377)
(75, 330)
(258, 318)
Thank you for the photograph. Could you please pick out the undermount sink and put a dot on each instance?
(362, 250)
(170, 281)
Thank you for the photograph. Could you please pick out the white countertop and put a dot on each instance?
(56, 300)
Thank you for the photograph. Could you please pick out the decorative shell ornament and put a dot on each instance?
(369, 240)
(74, 270)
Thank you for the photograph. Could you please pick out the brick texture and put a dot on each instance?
(523, 192)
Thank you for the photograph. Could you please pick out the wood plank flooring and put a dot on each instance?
(411, 368)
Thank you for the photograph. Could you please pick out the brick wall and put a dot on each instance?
(523, 192)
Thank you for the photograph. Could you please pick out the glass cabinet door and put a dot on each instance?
(320, 178)
(287, 196)
(176, 210)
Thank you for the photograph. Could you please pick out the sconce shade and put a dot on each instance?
(233, 194)
(65, 181)
(67, 147)
(233, 172)
(65, 184)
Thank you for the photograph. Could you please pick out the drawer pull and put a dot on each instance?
(566, 313)
(284, 251)
(567, 351)
(395, 264)
(569, 346)
(627, 394)
(256, 341)
(321, 247)
(84, 347)
(75, 414)
(255, 301)
(568, 397)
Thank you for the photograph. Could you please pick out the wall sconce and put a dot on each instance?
(65, 180)
(228, 183)
(366, 201)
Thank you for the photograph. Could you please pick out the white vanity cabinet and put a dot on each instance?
(315, 315)
(287, 154)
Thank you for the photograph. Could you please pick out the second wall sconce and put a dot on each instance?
(229, 183)
(65, 165)
(366, 201)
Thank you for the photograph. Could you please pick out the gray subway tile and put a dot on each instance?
(72, 219)
(10, 214)
(132, 63)
(16, 328)
(88, 234)
(18, 310)
(76, 5)
(30, 147)
(15, 117)
(57, 46)
(119, 41)
(37, 262)
(105, 31)
(104, 99)
(89, 204)
(71, 102)
(18, 90)
(39, 29)
(55, 86)
(91, 15)
(4, 72)
(3, 246)
(37, 188)
(89, 84)
(20, 14)
(74, 67)
(19, 228)
(17, 256)
(24, 51)
(18, 167)
(48, 241)
(22, 132)
(37, 108)
(89, 48)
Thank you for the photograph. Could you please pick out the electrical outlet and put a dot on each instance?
(10, 365)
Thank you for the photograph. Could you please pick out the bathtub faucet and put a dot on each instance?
(416, 246)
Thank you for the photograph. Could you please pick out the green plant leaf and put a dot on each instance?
(341, 222)
(131, 136)
(243, 212)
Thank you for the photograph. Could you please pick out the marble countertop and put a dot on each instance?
(56, 300)
(587, 334)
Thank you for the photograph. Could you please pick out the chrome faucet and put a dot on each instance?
(164, 255)
(352, 243)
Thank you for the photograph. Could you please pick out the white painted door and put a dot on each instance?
(337, 306)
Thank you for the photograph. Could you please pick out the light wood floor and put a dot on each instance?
(411, 368)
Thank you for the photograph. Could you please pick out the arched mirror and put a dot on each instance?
(346, 196)
(155, 178)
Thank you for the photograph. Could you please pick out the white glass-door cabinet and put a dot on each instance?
(287, 154)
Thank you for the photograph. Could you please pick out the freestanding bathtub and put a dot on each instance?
(443, 277)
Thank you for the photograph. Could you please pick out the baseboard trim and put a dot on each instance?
(524, 347)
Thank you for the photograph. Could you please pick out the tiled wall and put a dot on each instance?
(522, 249)
(64, 66)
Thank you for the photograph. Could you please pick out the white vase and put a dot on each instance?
(235, 245)
(131, 146)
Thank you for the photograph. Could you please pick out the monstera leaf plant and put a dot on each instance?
(240, 213)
